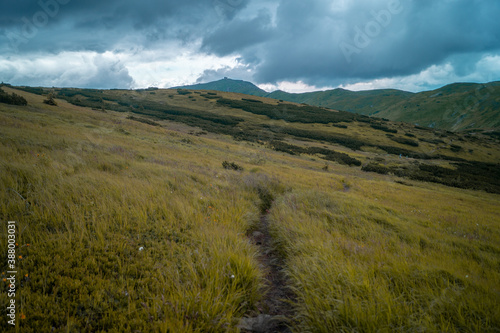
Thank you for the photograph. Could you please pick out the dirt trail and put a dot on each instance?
(275, 308)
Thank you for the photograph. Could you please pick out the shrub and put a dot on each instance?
(33, 90)
(434, 141)
(342, 158)
(210, 96)
(423, 128)
(405, 141)
(12, 99)
(292, 113)
(494, 134)
(383, 128)
(50, 100)
(330, 155)
(251, 100)
(374, 167)
(231, 166)
(145, 121)
(342, 140)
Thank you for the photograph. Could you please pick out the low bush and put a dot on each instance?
(428, 129)
(231, 166)
(33, 90)
(143, 120)
(210, 96)
(494, 134)
(374, 167)
(467, 175)
(13, 99)
(405, 141)
(293, 113)
(455, 148)
(433, 141)
(328, 154)
(50, 100)
(383, 128)
(251, 100)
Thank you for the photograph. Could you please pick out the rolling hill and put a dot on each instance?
(175, 210)
(455, 107)
(228, 85)
(344, 137)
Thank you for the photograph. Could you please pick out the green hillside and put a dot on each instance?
(175, 210)
(455, 107)
(340, 136)
(363, 102)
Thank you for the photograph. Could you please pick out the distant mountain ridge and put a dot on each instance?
(454, 107)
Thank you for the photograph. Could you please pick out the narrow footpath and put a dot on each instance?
(275, 308)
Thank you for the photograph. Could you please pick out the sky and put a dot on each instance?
(292, 45)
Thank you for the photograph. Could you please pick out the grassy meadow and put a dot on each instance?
(128, 226)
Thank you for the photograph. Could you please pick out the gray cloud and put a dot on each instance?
(109, 74)
(93, 71)
(319, 42)
(98, 25)
(413, 37)
(238, 35)
(240, 73)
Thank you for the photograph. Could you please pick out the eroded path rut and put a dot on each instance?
(275, 309)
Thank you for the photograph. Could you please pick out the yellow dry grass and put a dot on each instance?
(133, 227)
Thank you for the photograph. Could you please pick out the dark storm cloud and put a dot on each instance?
(56, 25)
(329, 42)
(237, 35)
(370, 39)
(319, 42)
(135, 13)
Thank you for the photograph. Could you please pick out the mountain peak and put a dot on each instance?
(229, 85)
